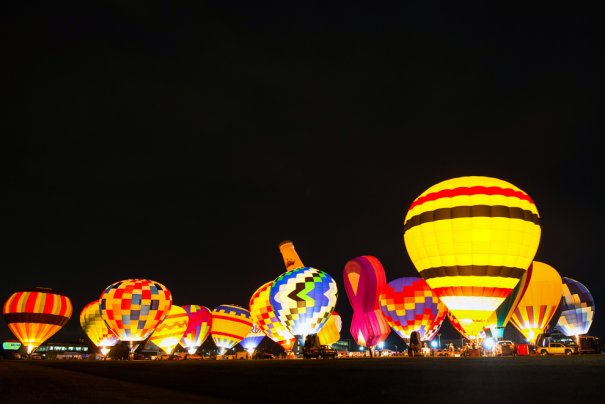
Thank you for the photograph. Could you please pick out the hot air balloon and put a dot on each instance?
(472, 239)
(263, 315)
(577, 308)
(169, 332)
(503, 313)
(94, 326)
(303, 299)
(409, 304)
(34, 316)
(230, 324)
(254, 337)
(364, 278)
(330, 332)
(133, 308)
(198, 327)
(539, 302)
(291, 258)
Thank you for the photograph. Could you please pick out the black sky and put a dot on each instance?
(183, 143)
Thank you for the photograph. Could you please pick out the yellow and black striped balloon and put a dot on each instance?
(471, 239)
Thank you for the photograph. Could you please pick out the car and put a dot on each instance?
(259, 354)
(506, 348)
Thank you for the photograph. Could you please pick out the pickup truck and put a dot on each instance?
(556, 348)
(313, 349)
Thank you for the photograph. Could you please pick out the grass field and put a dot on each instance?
(576, 379)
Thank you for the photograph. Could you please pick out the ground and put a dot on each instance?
(521, 379)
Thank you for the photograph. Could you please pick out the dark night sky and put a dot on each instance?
(182, 143)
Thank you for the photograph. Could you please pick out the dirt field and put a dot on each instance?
(533, 380)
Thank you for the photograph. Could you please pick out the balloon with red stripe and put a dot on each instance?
(472, 239)
(539, 302)
(35, 315)
(230, 325)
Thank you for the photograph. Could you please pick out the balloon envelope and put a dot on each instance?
(230, 324)
(577, 308)
(263, 315)
(409, 305)
(198, 327)
(364, 279)
(303, 299)
(34, 316)
(133, 308)
(472, 239)
(169, 332)
(539, 302)
(94, 326)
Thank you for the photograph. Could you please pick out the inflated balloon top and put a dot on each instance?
(577, 308)
(35, 315)
(133, 308)
(472, 239)
(303, 299)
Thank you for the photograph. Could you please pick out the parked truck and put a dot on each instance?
(556, 348)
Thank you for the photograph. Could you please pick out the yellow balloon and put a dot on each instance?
(472, 239)
(330, 332)
(540, 301)
(170, 331)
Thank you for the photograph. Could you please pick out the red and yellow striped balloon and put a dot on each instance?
(539, 303)
(36, 315)
(472, 239)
